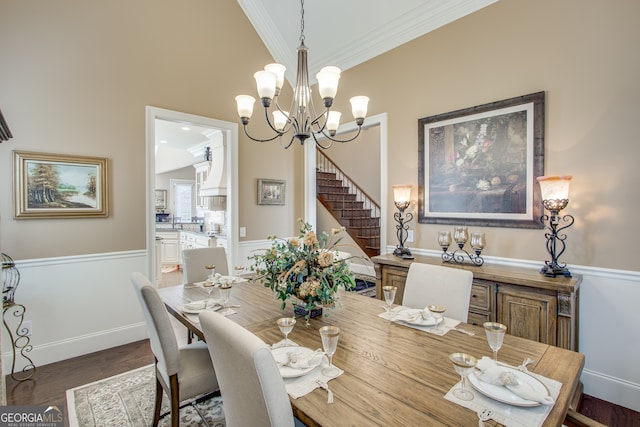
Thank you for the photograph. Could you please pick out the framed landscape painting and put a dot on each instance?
(478, 166)
(59, 186)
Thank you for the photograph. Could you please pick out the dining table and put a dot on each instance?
(394, 375)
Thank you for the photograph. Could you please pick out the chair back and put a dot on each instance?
(195, 260)
(434, 284)
(161, 335)
(252, 388)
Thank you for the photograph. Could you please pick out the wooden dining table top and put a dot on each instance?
(394, 375)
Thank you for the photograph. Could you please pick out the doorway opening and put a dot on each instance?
(228, 134)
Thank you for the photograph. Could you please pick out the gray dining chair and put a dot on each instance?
(184, 372)
(434, 284)
(195, 260)
(252, 388)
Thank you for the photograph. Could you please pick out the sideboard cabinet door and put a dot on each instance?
(530, 314)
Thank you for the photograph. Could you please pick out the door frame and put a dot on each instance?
(230, 131)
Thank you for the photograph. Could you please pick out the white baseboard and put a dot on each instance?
(611, 389)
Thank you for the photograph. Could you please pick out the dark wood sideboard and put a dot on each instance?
(531, 305)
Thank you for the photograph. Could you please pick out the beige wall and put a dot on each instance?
(584, 55)
(76, 77)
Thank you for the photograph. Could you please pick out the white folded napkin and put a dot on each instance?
(196, 305)
(415, 316)
(492, 373)
(297, 360)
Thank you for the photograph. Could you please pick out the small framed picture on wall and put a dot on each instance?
(271, 192)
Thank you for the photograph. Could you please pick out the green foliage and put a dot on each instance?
(306, 268)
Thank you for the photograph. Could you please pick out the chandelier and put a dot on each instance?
(301, 117)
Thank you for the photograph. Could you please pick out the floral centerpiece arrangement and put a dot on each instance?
(306, 270)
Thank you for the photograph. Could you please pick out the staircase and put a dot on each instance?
(349, 205)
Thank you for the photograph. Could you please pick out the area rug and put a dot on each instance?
(126, 400)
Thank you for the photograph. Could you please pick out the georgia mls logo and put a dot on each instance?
(31, 416)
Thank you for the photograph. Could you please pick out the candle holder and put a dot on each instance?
(461, 235)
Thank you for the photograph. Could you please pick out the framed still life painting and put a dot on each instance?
(478, 166)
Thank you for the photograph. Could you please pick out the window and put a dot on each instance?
(183, 199)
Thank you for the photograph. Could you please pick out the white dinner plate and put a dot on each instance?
(195, 308)
(280, 354)
(504, 395)
(413, 317)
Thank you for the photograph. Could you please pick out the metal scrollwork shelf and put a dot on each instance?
(19, 335)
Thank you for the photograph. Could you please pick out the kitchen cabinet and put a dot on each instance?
(169, 248)
(221, 242)
(190, 240)
(530, 304)
(202, 171)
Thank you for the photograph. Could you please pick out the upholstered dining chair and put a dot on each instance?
(250, 382)
(184, 372)
(434, 284)
(195, 260)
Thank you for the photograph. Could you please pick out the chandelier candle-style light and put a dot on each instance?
(301, 117)
(555, 197)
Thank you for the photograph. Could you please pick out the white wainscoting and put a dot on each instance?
(609, 331)
(83, 304)
(78, 305)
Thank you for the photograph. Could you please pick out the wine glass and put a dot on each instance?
(225, 293)
(464, 364)
(495, 336)
(437, 311)
(389, 296)
(238, 269)
(330, 335)
(286, 326)
(211, 272)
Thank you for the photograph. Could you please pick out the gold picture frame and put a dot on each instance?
(59, 186)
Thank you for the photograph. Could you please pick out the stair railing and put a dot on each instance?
(325, 164)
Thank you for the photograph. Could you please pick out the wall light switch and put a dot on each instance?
(243, 231)
(409, 235)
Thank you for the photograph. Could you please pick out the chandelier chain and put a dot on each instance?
(302, 21)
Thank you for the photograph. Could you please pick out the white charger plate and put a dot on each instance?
(504, 395)
(280, 354)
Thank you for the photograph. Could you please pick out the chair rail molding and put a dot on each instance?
(79, 304)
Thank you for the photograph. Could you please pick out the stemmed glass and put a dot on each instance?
(225, 293)
(211, 272)
(495, 336)
(464, 364)
(389, 296)
(330, 335)
(238, 269)
(286, 326)
(437, 311)
(209, 284)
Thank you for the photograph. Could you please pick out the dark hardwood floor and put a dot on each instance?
(50, 382)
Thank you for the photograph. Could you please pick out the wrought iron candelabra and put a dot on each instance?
(21, 341)
(555, 239)
(461, 235)
(554, 190)
(402, 229)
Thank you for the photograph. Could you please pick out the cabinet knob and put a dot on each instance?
(474, 296)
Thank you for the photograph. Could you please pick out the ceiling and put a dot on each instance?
(345, 33)
(337, 32)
